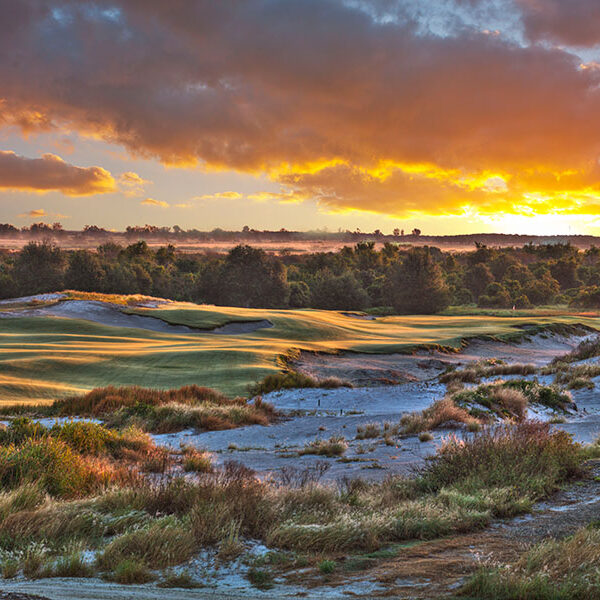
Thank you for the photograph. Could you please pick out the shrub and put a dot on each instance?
(130, 572)
(509, 399)
(327, 566)
(72, 565)
(334, 446)
(178, 580)
(552, 570)
(293, 379)
(102, 401)
(440, 413)
(10, 568)
(165, 543)
(369, 430)
(260, 578)
(528, 457)
(54, 465)
(197, 460)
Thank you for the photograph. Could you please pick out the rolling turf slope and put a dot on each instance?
(46, 357)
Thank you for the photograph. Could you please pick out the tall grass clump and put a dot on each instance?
(441, 413)
(564, 569)
(483, 369)
(334, 446)
(529, 458)
(293, 379)
(163, 411)
(54, 466)
(510, 399)
(165, 543)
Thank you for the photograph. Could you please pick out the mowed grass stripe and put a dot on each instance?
(45, 358)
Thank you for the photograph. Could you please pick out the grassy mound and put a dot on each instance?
(509, 399)
(159, 411)
(42, 359)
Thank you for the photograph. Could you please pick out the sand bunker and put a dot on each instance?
(384, 369)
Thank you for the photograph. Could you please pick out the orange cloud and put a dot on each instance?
(356, 111)
(132, 184)
(216, 196)
(154, 202)
(34, 214)
(52, 173)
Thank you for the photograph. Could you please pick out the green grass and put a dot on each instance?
(42, 359)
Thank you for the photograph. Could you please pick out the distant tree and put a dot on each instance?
(40, 268)
(109, 251)
(501, 263)
(396, 232)
(416, 232)
(338, 292)
(417, 285)
(564, 270)
(84, 272)
(165, 255)
(248, 277)
(299, 294)
(542, 290)
(496, 296)
(477, 278)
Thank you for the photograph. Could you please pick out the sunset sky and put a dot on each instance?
(454, 116)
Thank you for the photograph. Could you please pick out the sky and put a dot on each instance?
(453, 116)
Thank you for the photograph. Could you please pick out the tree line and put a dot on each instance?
(406, 280)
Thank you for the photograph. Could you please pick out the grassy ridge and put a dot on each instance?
(42, 359)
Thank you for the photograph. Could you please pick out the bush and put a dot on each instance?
(293, 379)
(130, 572)
(165, 543)
(327, 566)
(334, 446)
(441, 413)
(528, 457)
(54, 466)
(178, 580)
(196, 460)
(102, 401)
(552, 570)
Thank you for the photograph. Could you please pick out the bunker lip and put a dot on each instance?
(423, 364)
(357, 315)
(112, 315)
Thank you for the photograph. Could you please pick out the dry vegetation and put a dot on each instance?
(138, 526)
(293, 379)
(483, 369)
(477, 406)
(552, 570)
(160, 411)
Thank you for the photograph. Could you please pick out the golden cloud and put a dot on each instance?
(52, 173)
(154, 202)
(34, 214)
(396, 122)
(218, 195)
